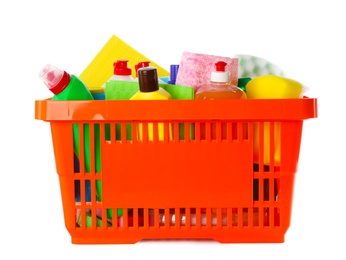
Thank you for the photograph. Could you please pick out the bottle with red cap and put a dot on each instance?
(220, 86)
(141, 64)
(122, 71)
(64, 85)
(144, 64)
(67, 86)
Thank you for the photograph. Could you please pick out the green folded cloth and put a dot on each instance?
(124, 90)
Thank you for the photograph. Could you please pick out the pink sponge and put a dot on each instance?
(195, 69)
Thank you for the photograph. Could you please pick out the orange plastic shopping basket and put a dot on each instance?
(225, 172)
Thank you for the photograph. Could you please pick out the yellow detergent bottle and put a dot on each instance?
(149, 89)
(271, 87)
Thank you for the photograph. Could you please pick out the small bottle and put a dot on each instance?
(120, 72)
(173, 74)
(144, 64)
(139, 65)
(149, 89)
(220, 86)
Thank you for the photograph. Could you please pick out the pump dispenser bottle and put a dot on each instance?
(149, 90)
(220, 86)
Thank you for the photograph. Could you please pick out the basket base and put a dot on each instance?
(240, 237)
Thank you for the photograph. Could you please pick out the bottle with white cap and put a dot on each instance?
(220, 86)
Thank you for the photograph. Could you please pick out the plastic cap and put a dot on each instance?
(55, 79)
(220, 75)
(141, 64)
(147, 79)
(121, 68)
(173, 74)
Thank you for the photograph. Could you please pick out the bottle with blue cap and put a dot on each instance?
(173, 74)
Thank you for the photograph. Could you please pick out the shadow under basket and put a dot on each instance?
(176, 169)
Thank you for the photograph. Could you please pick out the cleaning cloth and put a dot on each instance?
(252, 66)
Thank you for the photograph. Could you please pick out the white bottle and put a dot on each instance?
(121, 72)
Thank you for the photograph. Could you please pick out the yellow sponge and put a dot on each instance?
(272, 86)
(101, 67)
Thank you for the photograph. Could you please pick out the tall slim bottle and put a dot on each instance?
(67, 86)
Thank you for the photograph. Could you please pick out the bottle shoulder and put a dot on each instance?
(75, 90)
(154, 95)
(220, 91)
(219, 87)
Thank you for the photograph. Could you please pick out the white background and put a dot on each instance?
(305, 38)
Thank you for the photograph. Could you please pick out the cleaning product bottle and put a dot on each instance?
(144, 64)
(173, 73)
(63, 85)
(139, 65)
(220, 86)
(149, 90)
(121, 71)
(69, 87)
